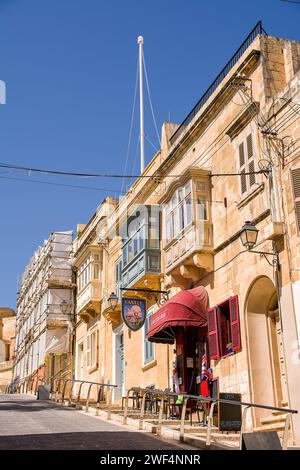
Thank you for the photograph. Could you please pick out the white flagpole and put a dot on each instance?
(142, 134)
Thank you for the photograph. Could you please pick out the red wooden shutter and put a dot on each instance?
(235, 323)
(213, 336)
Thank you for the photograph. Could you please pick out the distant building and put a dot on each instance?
(7, 345)
(44, 311)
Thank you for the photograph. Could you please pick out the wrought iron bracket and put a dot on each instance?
(275, 260)
(160, 296)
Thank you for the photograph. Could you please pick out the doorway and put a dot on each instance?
(80, 364)
(119, 363)
(265, 347)
(190, 346)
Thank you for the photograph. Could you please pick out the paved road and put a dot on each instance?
(26, 423)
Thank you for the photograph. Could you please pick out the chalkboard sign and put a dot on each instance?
(230, 416)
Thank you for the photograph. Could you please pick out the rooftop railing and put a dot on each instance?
(257, 30)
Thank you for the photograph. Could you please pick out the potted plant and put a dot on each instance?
(229, 348)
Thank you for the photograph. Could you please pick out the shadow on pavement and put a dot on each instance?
(85, 441)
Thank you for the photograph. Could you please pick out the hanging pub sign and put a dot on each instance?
(134, 312)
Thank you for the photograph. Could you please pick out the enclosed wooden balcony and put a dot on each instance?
(141, 255)
(189, 256)
(89, 300)
(187, 234)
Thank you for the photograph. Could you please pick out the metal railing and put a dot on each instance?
(58, 393)
(58, 387)
(165, 395)
(258, 29)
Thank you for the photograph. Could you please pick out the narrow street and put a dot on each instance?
(26, 423)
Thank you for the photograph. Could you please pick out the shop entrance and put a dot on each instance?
(190, 346)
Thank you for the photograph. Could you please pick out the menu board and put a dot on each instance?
(230, 416)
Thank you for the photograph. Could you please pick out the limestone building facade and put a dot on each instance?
(235, 158)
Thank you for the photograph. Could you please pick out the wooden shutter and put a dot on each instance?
(213, 335)
(250, 155)
(296, 192)
(235, 323)
(242, 168)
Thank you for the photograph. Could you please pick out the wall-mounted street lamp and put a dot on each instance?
(113, 301)
(248, 236)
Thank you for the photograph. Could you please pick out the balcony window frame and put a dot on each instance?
(84, 273)
(177, 218)
(141, 238)
(190, 203)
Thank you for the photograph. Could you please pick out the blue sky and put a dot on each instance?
(70, 67)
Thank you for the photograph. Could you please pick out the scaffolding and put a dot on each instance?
(43, 326)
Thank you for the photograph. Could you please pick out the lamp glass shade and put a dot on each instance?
(64, 306)
(249, 235)
(113, 300)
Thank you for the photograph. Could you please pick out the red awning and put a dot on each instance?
(187, 308)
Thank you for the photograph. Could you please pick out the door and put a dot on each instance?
(121, 355)
(119, 364)
(80, 364)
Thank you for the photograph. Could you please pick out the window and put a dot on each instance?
(91, 352)
(141, 231)
(7, 352)
(153, 228)
(224, 328)
(246, 164)
(84, 273)
(201, 208)
(296, 191)
(178, 213)
(148, 345)
(96, 271)
(119, 278)
(125, 256)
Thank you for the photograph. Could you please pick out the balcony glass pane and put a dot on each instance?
(201, 209)
(188, 188)
(96, 271)
(181, 217)
(142, 238)
(135, 245)
(124, 255)
(130, 251)
(153, 241)
(188, 202)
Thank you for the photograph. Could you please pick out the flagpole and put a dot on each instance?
(142, 134)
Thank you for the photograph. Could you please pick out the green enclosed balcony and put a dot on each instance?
(141, 265)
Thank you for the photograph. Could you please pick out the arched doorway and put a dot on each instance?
(265, 349)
